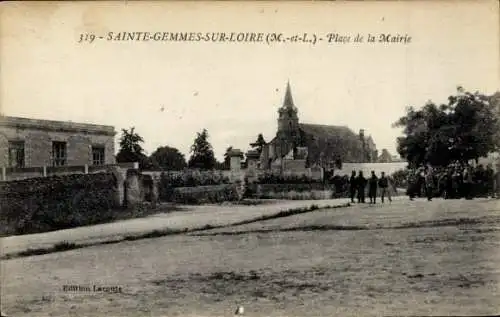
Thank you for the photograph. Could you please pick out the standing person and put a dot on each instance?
(421, 182)
(490, 181)
(448, 187)
(372, 188)
(467, 183)
(361, 187)
(480, 188)
(383, 183)
(497, 183)
(456, 183)
(429, 183)
(352, 186)
(411, 184)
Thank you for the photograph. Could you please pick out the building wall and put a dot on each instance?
(366, 168)
(38, 143)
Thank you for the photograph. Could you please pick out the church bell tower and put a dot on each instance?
(288, 119)
(288, 135)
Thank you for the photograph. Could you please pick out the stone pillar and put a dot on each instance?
(120, 176)
(155, 197)
(133, 188)
(235, 156)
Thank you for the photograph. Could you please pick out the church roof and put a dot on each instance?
(326, 131)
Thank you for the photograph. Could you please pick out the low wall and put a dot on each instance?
(295, 195)
(56, 202)
(13, 174)
(290, 191)
(367, 168)
(205, 194)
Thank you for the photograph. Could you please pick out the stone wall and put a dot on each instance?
(57, 202)
(388, 168)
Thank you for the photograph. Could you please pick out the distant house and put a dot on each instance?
(34, 143)
(324, 143)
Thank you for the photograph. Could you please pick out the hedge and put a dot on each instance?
(205, 194)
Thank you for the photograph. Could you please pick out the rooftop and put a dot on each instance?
(53, 125)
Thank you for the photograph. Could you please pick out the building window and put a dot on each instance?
(59, 153)
(16, 154)
(98, 155)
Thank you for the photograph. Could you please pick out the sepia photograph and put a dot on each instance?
(249, 158)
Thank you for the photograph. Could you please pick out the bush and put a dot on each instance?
(189, 178)
(400, 178)
(205, 194)
(270, 178)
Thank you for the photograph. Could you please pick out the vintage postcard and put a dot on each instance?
(249, 158)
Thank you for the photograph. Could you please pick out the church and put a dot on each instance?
(314, 144)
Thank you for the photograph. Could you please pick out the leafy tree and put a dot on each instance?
(202, 153)
(167, 157)
(227, 158)
(259, 143)
(131, 149)
(463, 129)
(385, 157)
(495, 103)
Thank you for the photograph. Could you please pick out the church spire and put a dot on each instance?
(288, 101)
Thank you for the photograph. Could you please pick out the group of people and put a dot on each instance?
(358, 184)
(454, 181)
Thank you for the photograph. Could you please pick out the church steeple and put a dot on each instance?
(288, 100)
(288, 120)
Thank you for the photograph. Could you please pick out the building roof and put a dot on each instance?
(327, 142)
(52, 125)
(253, 154)
(326, 131)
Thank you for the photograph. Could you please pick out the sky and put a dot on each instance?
(234, 89)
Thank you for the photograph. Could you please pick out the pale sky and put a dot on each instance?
(234, 89)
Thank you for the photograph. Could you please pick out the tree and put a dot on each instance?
(259, 143)
(167, 157)
(202, 153)
(227, 158)
(131, 149)
(385, 157)
(461, 130)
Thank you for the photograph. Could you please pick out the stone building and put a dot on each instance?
(324, 144)
(34, 143)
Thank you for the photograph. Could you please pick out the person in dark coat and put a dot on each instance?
(372, 188)
(456, 183)
(429, 183)
(412, 184)
(497, 184)
(352, 186)
(490, 181)
(383, 183)
(361, 186)
(467, 183)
